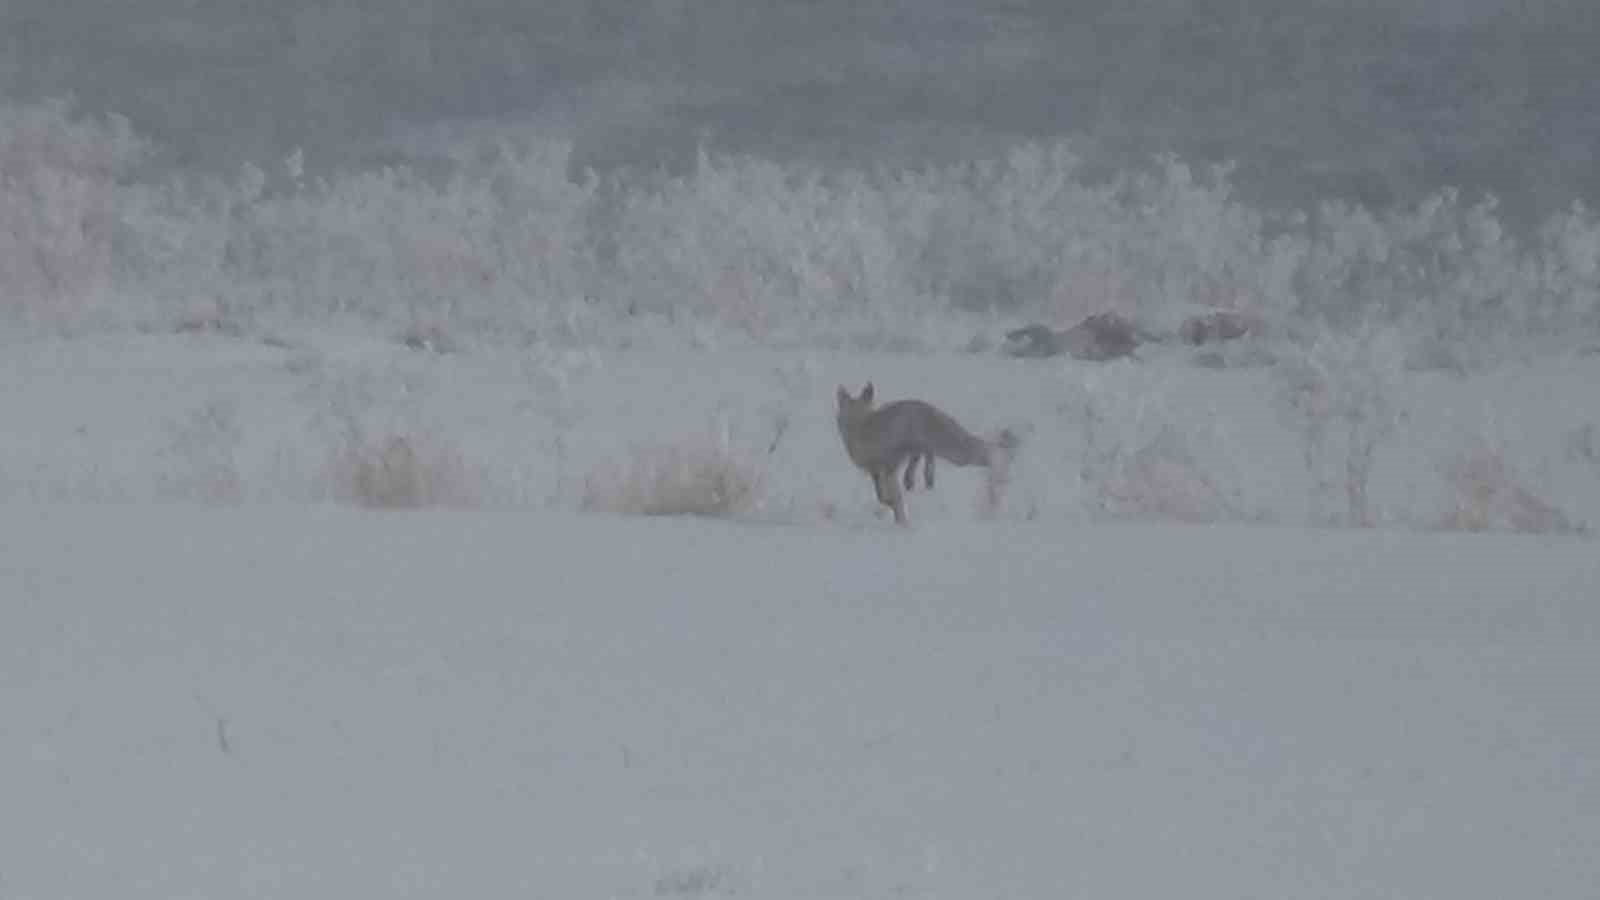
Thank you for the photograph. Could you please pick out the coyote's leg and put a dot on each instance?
(898, 501)
(910, 480)
(911, 473)
(889, 493)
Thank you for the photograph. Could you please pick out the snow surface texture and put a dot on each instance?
(319, 702)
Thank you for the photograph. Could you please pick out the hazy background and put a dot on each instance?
(515, 260)
(1376, 101)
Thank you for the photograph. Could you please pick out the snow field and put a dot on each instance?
(282, 700)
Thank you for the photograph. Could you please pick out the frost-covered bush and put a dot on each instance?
(1000, 234)
(698, 478)
(504, 239)
(1030, 234)
(171, 261)
(757, 245)
(501, 241)
(1343, 397)
(1138, 460)
(400, 471)
(59, 177)
(1567, 270)
(1490, 494)
(379, 451)
(1190, 242)
(1449, 269)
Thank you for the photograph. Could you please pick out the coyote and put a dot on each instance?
(908, 431)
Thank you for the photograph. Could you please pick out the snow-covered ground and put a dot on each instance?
(310, 702)
(220, 681)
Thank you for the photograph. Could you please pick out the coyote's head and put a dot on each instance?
(853, 407)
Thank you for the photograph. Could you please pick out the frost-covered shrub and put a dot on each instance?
(1449, 269)
(1029, 233)
(372, 444)
(1443, 263)
(400, 471)
(754, 244)
(59, 176)
(1489, 494)
(505, 238)
(1567, 266)
(998, 234)
(1342, 396)
(396, 466)
(688, 479)
(172, 250)
(1138, 461)
(757, 243)
(1172, 238)
(500, 242)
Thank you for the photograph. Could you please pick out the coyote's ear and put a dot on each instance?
(866, 392)
(842, 395)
